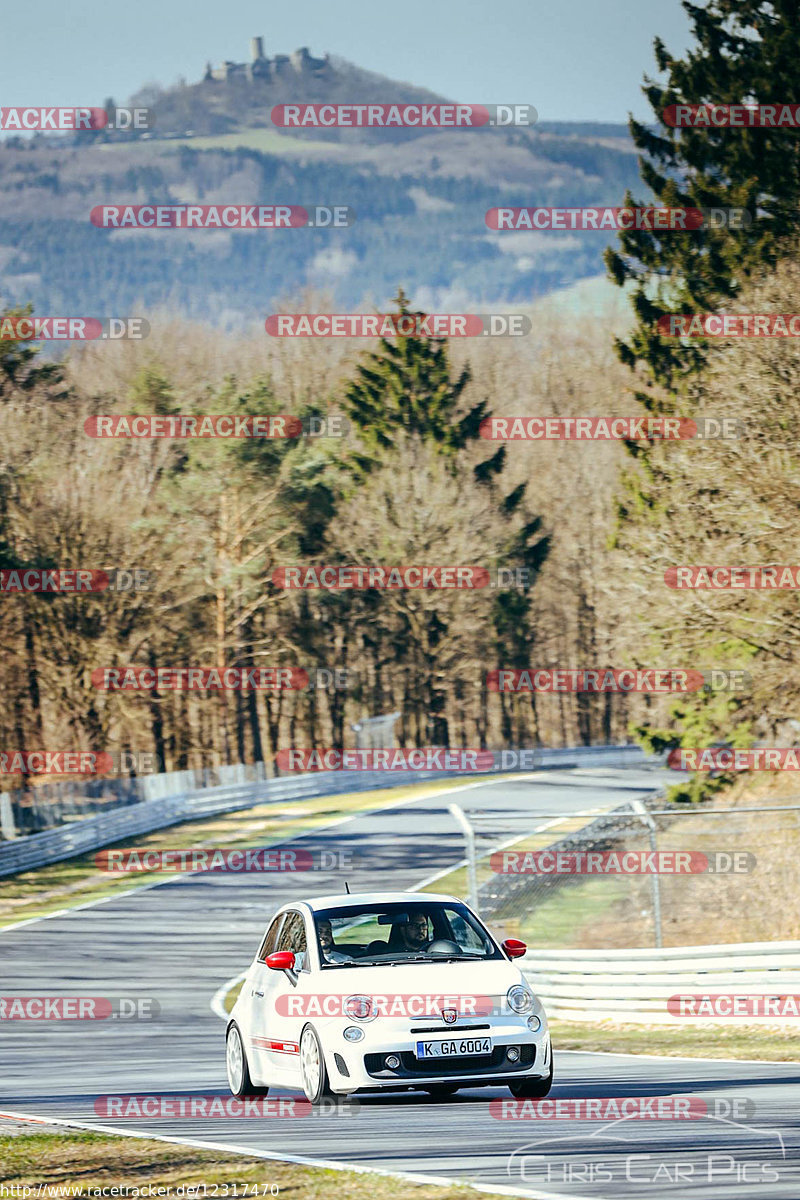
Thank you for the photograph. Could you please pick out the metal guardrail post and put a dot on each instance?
(652, 830)
(7, 826)
(472, 866)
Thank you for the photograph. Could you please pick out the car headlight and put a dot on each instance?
(520, 1000)
(359, 1008)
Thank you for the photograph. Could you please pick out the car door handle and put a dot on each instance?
(254, 993)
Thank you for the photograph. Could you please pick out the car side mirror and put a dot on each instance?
(281, 960)
(513, 947)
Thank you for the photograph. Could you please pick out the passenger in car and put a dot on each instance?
(327, 944)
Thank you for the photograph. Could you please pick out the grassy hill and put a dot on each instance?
(419, 200)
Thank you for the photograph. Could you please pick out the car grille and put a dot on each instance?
(442, 1028)
(484, 1064)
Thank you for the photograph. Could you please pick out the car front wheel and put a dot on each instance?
(239, 1080)
(313, 1071)
(531, 1089)
(442, 1091)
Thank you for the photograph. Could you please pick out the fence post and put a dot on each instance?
(7, 826)
(655, 882)
(472, 870)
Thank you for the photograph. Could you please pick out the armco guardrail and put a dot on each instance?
(51, 804)
(81, 837)
(633, 986)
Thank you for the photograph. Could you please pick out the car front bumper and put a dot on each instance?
(357, 1066)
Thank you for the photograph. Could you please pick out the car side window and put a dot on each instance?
(293, 937)
(268, 945)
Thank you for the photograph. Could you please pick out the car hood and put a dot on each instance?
(491, 978)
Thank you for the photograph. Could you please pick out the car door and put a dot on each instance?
(276, 1034)
(258, 983)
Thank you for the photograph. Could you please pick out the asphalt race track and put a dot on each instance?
(180, 941)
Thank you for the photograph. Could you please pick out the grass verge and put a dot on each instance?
(86, 1161)
(717, 1041)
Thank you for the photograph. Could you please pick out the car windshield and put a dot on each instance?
(380, 934)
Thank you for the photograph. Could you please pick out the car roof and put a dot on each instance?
(354, 899)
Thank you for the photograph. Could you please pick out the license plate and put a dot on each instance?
(455, 1048)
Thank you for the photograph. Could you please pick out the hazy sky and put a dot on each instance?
(571, 59)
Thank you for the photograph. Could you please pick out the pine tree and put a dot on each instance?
(406, 386)
(747, 52)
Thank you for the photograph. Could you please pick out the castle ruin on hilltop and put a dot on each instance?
(298, 63)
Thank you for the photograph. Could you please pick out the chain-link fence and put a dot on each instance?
(639, 875)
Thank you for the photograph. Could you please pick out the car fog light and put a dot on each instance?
(534, 1023)
(392, 1062)
(512, 1053)
(353, 1034)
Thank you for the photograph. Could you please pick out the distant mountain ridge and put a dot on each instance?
(238, 95)
(420, 199)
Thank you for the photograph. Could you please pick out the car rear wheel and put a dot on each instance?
(313, 1071)
(239, 1080)
(532, 1088)
(442, 1091)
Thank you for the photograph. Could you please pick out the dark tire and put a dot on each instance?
(532, 1089)
(239, 1080)
(313, 1071)
(442, 1091)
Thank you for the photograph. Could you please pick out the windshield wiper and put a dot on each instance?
(440, 958)
(362, 962)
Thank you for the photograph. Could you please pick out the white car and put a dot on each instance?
(386, 990)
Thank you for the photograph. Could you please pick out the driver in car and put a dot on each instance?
(329, 951)
(412, 934)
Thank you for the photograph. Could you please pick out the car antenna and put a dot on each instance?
(347, 888)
